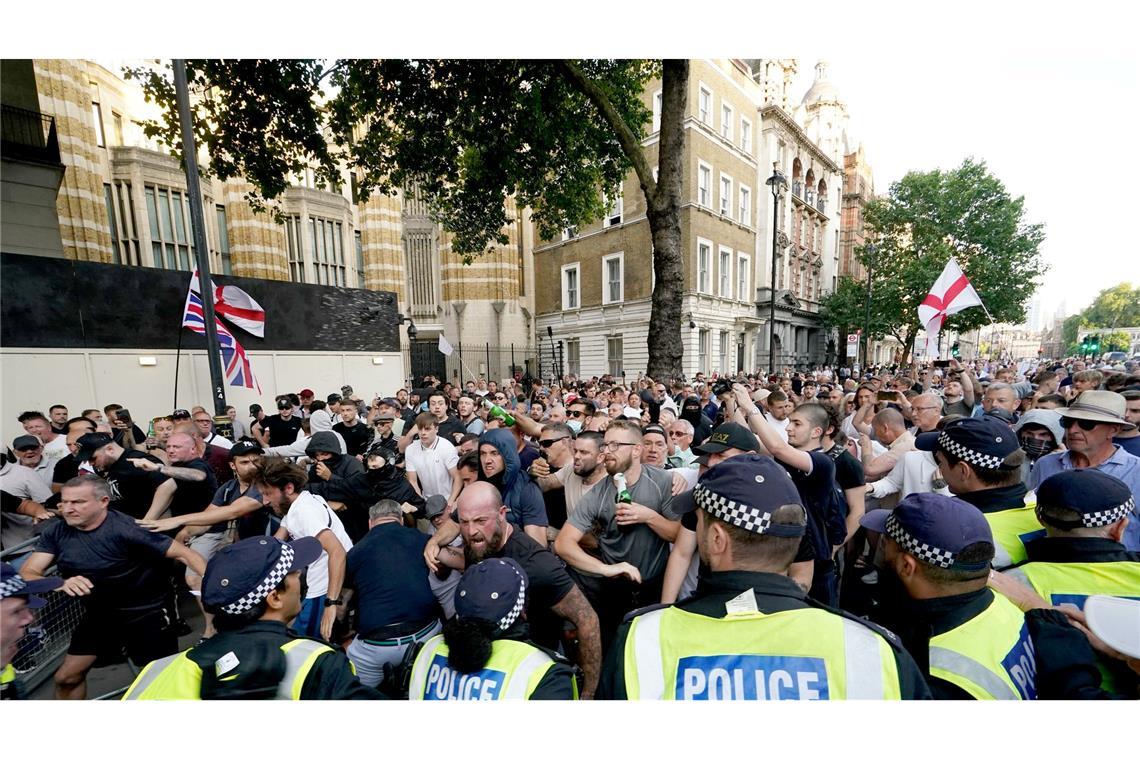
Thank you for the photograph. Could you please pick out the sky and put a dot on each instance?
(1046, 93)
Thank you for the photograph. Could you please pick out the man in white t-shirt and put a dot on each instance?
(281, 485)
(431, 463)
(777, 415)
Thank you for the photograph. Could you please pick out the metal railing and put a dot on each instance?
(478, 360)
(47, 639)
(28, 135)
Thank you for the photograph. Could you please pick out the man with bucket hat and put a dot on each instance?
(18, 602)
(750, 632)
(254, 588)
(980, 459)
(1090, 423)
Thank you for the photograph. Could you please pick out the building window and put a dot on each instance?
(97, 117)
(571, 295)
(574, 356)
(614, 356)
(117, 128)
(169, 228)
(726, 273)
(704, 185)
(613, 278)
(359, 241)
(657, 111)
(724, 351)
(614, 210)
(293, 243)
(704, 254)
(327, 242)
(224, 241)
(703, 351)
(121, 220)
(745, 215)
(725, 195)
(726, 116)
(704, 106)
(742, 279)
(745, 135)
(109, 200)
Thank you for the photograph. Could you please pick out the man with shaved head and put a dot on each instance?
(889, 427)
(552, 596)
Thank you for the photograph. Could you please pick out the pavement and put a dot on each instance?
(104, 681)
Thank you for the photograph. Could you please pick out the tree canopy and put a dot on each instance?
(927, 218)
(1118, 306)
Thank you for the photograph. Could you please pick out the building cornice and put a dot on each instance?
(790, 124)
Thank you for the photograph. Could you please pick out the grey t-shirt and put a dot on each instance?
(637, 545)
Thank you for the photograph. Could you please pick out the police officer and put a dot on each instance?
(254, 588)
(980, 459)
(1084, 513)
(749, 631)
(483, 653)
(971, 642)
(18, 601)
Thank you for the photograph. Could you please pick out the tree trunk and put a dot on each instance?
(663, 210)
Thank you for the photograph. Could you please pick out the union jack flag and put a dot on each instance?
(235, 362)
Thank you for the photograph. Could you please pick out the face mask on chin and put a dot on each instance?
(574, 425)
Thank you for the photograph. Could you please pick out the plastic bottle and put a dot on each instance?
(499, 413)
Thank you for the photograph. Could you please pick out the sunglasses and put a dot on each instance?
(546, 444)
(1086, 425)
(574, 413)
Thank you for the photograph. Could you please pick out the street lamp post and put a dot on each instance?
(867, 315)
(778, 185)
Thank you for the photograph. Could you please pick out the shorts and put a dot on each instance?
(308, 621)
(207, 546)
(144, 636)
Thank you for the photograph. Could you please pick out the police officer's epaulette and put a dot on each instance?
(642, 610)
(886, 633)
(554, 655)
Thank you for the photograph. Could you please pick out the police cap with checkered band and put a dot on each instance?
(982, 442)
(934, 528)
(1099, 498)
(745, 491)
(493, 590)
(241, 575)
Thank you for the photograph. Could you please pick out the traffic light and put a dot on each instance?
(1094, 345)
(954, 350)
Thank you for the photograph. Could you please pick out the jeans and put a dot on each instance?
(308, 622)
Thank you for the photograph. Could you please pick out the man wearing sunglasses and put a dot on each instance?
(1090, 423)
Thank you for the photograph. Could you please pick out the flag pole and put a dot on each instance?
(198, 228)
(177, 361)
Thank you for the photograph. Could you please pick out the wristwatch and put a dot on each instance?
(333, 602)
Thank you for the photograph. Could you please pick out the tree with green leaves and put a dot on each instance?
(929, 217)
(552, 134)
(1118, 306)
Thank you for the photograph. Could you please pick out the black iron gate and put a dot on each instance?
(425, 358)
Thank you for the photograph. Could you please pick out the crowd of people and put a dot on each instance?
(942, 530)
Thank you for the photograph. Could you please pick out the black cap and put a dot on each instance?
(12, 584)
(728, 435)
(655, 428)
(89, 443)
(23, 442)
(493, 590)
(934, 528)
(240, 575)
(325, 440)
(434, 505)
(983, 442)
(241, 448)
(1100, 498)
(744, 491)
(180, 414)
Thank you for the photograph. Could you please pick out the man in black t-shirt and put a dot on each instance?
(68, 467)
(134, 492)
(552, 596)
(450, 428)
(352, 429)
(280, 429)
(119, 570)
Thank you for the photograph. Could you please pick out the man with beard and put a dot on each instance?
(340, 479)
(553, 596)
(691, 412)
(395, 604)
(586, 467)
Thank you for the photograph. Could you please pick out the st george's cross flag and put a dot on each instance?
(951, 293)
(235, 306)
(235, 362)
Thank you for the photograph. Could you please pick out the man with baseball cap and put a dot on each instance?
(1090, 423)
(750, 632)
(133, 491)
(18, 601)
(254, 588)
(971, 642)
(980, 459)
(484, 652)
(1084, 513)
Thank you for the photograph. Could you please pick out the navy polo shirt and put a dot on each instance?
(386, 569)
